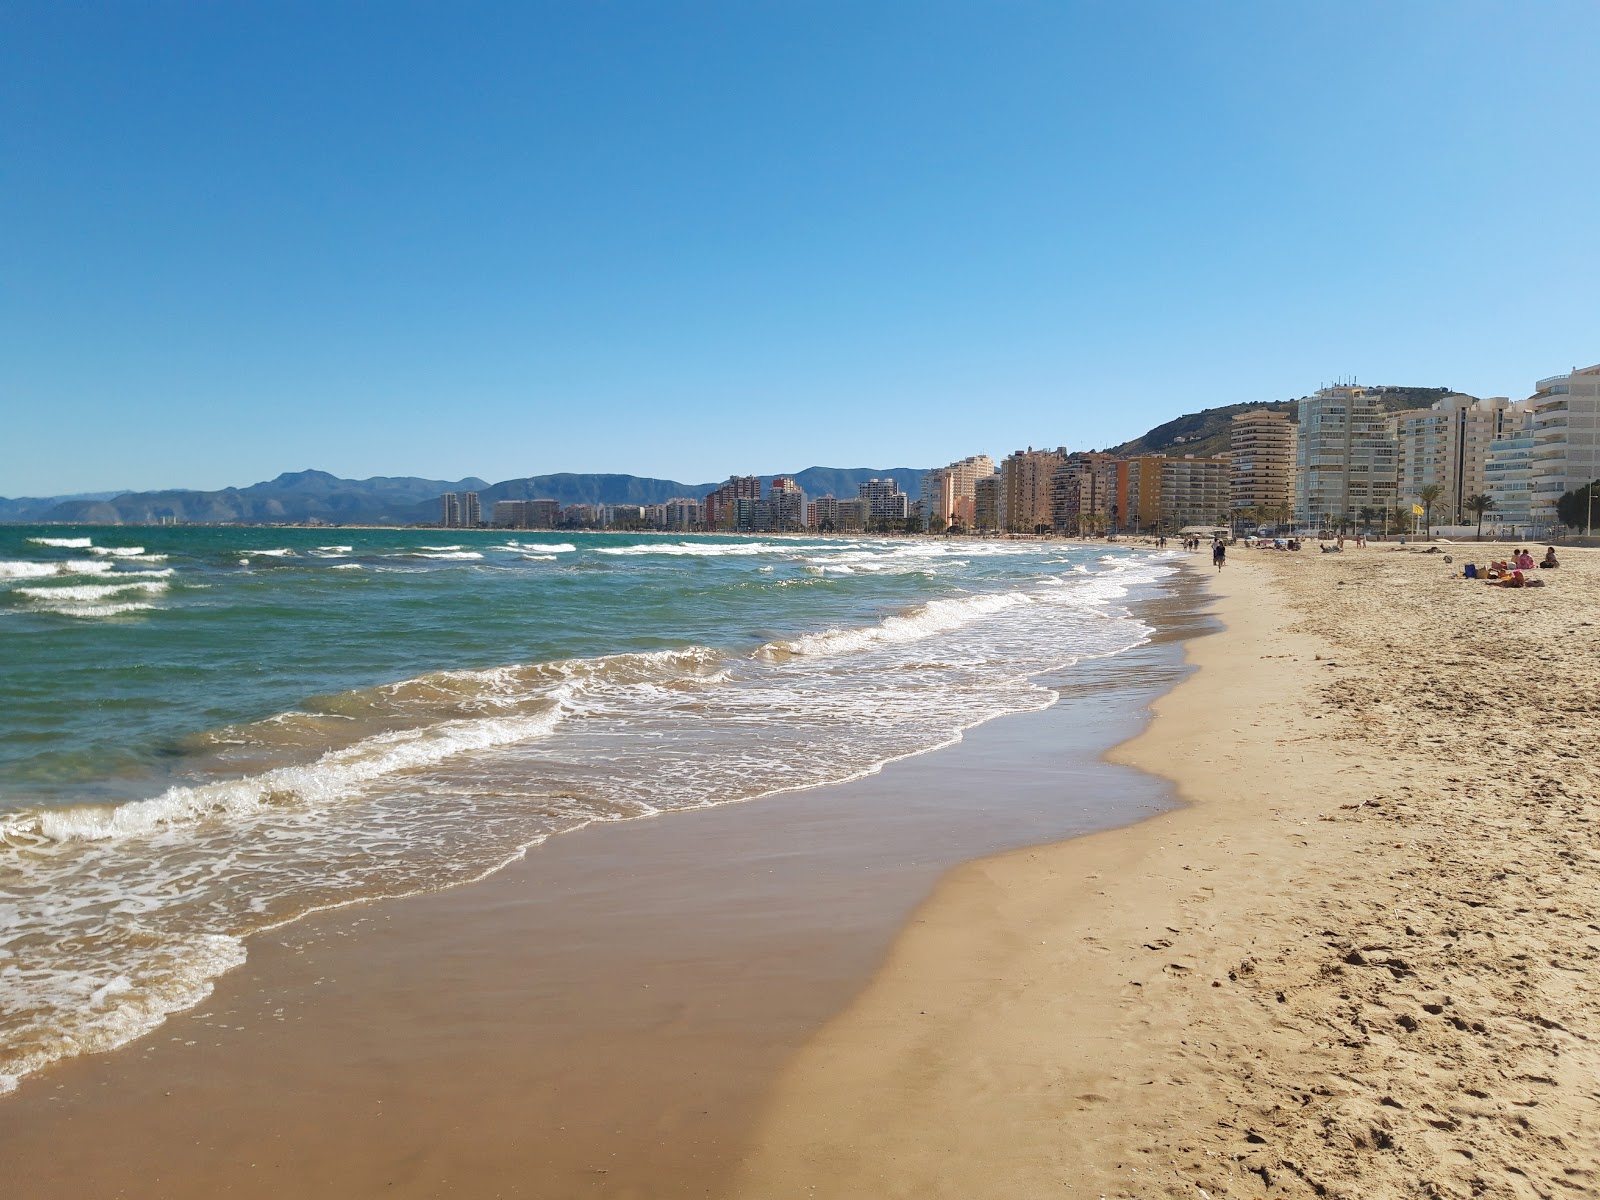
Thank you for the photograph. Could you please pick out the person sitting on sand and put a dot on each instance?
(1524, 560)
(1549, 559)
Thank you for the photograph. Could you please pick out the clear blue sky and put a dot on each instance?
(690, 239)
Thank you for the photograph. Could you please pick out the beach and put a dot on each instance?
(1344, 950)
(600, 1018)
(1359, 963)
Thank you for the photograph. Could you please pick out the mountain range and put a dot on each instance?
(300, 496)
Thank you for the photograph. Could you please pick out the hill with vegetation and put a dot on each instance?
(1206, 433)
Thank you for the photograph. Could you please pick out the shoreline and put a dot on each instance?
(622, 974)
(1353, 965)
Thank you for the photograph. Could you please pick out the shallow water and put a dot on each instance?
(213, 731)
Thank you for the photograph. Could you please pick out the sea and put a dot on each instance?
(211, 731)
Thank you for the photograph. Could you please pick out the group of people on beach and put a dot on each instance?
(1511, 572)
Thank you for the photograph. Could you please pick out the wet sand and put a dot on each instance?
(602, 1018)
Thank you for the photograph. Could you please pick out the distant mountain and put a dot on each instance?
(301, 496)
(1206, 433)
(26, 508)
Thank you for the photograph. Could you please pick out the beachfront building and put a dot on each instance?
(1027, 490)
(950, 493)
(460, 510)
(829, 513)
(786, 506)
(1261, 448)
(622, 516)
(986, 503)
(1195, 491)
(1508, 475)
(1447, 445)
(882, 500)
(721, 506)
(1566, 439)
(681, 512)
(1345, 458)
(525, 514)
(579, 516)
(1080, 502)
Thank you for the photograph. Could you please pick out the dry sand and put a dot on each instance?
(1360, 964)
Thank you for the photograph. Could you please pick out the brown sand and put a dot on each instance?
(1361, 964)
(601, 1019)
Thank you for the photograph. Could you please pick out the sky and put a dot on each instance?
(687, 240)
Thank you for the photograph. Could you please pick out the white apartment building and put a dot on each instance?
(1566, 439)
(1345, 458)
(1508, 475)
(1447, 444)
(883, 500)
(681, 512)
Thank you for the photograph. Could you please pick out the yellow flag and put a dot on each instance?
(1416, 509)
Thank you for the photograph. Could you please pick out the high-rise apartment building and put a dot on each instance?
(1566, 439)
(1448, 445)
(883, 500)
(622, 516)
(786, 506)
(830, 514)
(1345, 457)
(721, 505)
(1261, 448)
(681, 512)
(950, 495)
(1508, 475)
(1080, 502)
(986, 503)
(460, 510)
(1195, 491)
(1027, 490)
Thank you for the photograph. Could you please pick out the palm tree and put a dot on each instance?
(1368, 515)
(1478, 505)
(1428, 494)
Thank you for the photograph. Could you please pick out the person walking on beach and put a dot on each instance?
(1219, 554)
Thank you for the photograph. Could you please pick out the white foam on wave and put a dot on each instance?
(447, 555)
(109, 1013)
(345, 567)
(705, 549)
(87, 593)
(32, 569)
(330, 779)
(934, 617)
(336, 549)
(281, 553)
(118, 551)
(73, 543)
(538, 558)
(441, 547)
(96, 610)
(515, 547)
(28, 570)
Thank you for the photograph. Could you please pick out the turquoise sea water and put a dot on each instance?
(211, 731)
